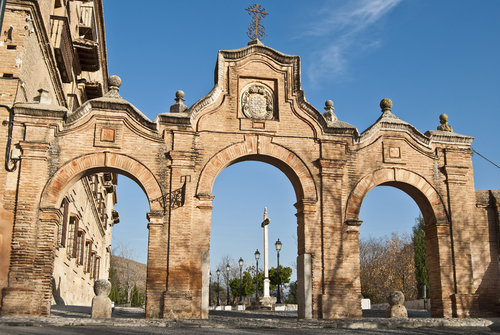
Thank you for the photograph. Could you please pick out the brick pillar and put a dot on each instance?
(440, 268)
(182, 298)
(341, 287)
(461, 197)
(32, 253)
(309, 237)
(156, 281)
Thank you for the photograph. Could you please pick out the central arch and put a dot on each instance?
(260, 148)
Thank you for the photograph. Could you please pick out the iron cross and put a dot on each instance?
(256, 30)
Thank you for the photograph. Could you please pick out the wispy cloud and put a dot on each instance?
(345, 30)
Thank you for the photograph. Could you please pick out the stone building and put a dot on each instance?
(256, 111)
(53, 56)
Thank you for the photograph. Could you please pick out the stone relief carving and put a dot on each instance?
(257, 102)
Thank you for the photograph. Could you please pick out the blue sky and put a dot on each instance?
(429, 57)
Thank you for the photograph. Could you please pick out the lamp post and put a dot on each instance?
(227, 286)
(218, 286)
(210, 289)
(240, 262)
(278, 248)
(257, 256)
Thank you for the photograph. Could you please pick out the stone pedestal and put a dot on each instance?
(396, 308)
(101, 304)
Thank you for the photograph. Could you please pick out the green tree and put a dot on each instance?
(137, 298)
(421, 273)
(291, 297)
(117, 294)
(247, 285)
(285, 274)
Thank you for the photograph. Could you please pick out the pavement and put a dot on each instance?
(134, 317)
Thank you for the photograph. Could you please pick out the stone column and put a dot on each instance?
(309, 259)
(264, 225)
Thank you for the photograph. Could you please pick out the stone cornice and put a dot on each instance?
(447, 137)
(111, 104)
(38, 109)
(394, 124)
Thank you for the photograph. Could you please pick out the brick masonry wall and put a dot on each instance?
(331, 174)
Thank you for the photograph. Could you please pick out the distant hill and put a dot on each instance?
(130, 271)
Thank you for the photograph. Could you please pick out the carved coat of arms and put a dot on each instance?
(257, 102)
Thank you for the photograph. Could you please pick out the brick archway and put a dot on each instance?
(260, 148)
(75, 169)
(437, 227)
(424, 194)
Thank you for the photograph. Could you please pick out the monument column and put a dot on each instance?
(264, 225)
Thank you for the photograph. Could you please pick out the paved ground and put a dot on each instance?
(76, 320)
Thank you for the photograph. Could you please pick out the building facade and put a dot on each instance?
(53, 53)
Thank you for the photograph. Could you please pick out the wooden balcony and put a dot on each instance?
(63, 47)
(86, 44)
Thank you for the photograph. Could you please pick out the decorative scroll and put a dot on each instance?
(173, 200)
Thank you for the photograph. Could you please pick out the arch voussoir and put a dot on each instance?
(54, 190)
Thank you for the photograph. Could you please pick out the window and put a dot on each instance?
(92, 264)
(81, 247)
(64, 226)
(97, 266)
(86, 256)
(72, 246)
(89, 257)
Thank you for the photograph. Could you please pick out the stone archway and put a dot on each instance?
(437, 226)
(261, 148)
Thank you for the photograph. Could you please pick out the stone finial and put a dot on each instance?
(114, 83)
(43, 97)
(179, 106)
(396, 308)
(443, 118)
(328, 114)
(101, 304)
(386, 106)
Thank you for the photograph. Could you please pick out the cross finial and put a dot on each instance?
(256, 30)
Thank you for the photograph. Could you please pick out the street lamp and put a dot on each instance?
(278, 248)
(257, 256)
(218, 286)
(240, 262)
(227, 286)
(210, 289)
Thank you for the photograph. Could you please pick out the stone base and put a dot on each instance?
(240, 307)
(279, 307)
(101, 307)
(266, 301)
(396, 311)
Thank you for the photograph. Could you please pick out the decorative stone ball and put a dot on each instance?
(386, 104)
(443, 118)
(329, 103)
(179, 94)
(396, 298)
(102, 287)
(114, 81)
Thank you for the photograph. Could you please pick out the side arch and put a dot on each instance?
(425, 195)
(260, 148)
(76, 168)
